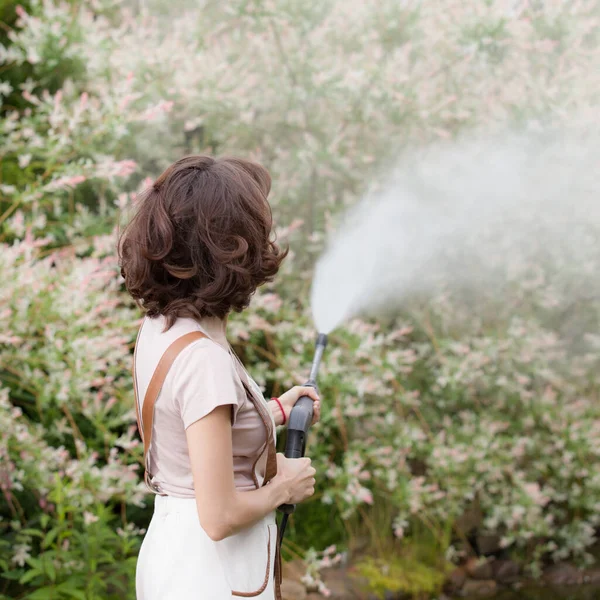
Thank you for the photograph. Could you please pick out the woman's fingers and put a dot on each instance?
(314, 395)
(307, 391)
(294, 394)
(316, 411)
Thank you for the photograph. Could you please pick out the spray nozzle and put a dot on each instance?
(319, 349)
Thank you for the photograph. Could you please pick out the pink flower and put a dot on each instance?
(532, 489)
(126, 100)
(258, 323)
(285, 231)
(124, 168)
(400, 333)
(154, 111)
(30, 98)
(146, 183)
(271, 302)
(63, 182)
(57, 98)
(365, 495)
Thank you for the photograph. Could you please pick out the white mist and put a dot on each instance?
(469, 213)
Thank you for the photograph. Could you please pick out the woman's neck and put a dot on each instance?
(215, 327)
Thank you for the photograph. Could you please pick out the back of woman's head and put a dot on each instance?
(200, 243)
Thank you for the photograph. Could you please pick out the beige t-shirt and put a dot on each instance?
(202, 377)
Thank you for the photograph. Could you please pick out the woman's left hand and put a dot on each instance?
(292, 396)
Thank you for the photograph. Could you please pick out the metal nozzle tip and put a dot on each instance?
(322, 340)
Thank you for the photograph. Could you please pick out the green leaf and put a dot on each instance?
(45, 593)
(36, 532)
(50, 570)
(50, 537)
(35, 562)
(68, 589)
(13, 575)
(30, 575)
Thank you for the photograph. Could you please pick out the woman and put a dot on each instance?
(197, 248)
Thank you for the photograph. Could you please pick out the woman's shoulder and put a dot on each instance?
(205, 368)
(205, 351)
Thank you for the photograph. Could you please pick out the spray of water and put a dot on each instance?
(476, 214)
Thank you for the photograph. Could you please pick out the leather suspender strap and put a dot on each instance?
(270, 468)
(154, 387)
(263, 411)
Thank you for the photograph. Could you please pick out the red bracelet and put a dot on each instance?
(281, 408)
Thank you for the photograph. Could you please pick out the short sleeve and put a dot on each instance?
(203, 377)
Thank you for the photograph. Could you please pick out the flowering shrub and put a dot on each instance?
(69, 452)
(429, 415)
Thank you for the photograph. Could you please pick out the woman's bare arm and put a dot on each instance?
(223, 510)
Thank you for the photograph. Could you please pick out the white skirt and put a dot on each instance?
(178, 561)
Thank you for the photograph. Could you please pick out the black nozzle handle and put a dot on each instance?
(300, 420)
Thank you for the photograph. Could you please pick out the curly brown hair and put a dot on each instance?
(200, 242)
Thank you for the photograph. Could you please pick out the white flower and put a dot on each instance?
(7, 189)
(21, 554)
(88, 517)
(24, 159)
(28, 85)
(5, 88)
(32, 56)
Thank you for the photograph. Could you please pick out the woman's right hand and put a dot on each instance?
(297, 475)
